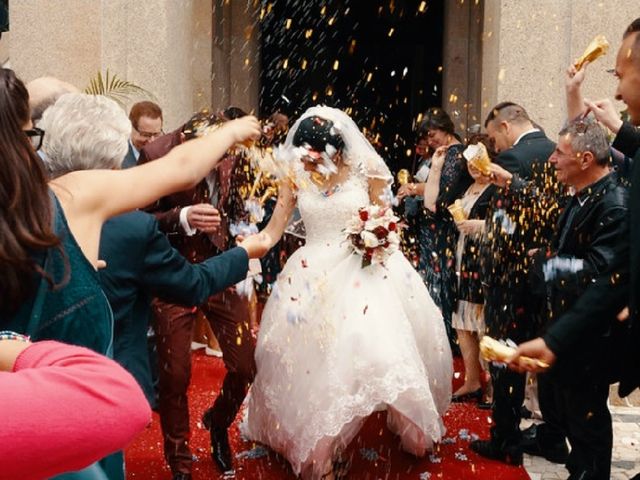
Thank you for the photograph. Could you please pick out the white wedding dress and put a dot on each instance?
(338, 342)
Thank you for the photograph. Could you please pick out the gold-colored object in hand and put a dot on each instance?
(598, 47)
(477, 156)
(457, 212)
(403, 176)
(494, 351)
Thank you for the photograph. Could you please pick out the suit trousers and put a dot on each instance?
(508, 395)
(552, 431)
(228, 315)
(582, 412)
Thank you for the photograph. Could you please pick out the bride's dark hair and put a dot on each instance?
(25, 208)
(317, 133)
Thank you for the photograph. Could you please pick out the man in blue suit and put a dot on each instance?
(141, 264)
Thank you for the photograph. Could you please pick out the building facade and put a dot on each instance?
(206, 53)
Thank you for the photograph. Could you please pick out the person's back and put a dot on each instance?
(76, 311)
(141, 263)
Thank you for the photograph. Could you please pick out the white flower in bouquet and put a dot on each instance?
(372, 232)
(370, 239)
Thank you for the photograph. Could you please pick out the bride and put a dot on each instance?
(338, 341)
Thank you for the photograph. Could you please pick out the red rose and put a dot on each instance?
(380, 232)
(364, 215)
(392, 226)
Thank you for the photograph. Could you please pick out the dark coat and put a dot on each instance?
(517, 221)
(141, 264)
(593, 229)
(628, 142)
(470, 286)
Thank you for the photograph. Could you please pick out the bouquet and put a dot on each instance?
(373, 234)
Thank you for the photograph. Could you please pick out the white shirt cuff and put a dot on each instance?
(185, 224)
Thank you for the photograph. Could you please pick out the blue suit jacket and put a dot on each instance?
(130, 158)
(141, 264)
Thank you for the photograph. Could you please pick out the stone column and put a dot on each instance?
(462, 55)
(161, 45)
(236, 55)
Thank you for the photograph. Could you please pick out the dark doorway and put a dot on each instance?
(380, 60)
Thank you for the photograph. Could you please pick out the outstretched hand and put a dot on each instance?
(499, 176)
(256, 245)
(605, 112)
(535, 349)
(244, 128)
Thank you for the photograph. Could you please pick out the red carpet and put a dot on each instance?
(375, 452)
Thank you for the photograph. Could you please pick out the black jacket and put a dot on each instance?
(591, 245)
(470, 280)
(628, 142)
(516, 222)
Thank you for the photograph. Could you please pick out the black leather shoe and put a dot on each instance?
(181, 476)
(220, 448)
(556, 452)
(511, 454)
(474, 396)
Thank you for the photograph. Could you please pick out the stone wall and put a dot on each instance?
(528, 45)
(164, 46)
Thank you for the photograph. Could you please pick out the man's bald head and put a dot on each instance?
(43, 92)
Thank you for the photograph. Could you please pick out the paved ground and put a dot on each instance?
(626, 443)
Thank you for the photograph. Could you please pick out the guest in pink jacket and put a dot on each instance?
(62, 408)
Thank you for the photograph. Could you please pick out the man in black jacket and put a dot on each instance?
(589, 251)
(515, 225)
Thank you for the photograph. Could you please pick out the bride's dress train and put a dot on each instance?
(338, 342)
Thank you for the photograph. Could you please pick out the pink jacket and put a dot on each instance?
(64, 407)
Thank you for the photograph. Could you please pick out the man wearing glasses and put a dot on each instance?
(146, 126)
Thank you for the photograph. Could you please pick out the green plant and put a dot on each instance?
(115, 88)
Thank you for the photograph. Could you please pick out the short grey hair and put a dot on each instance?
(84, 132)
(587, 135)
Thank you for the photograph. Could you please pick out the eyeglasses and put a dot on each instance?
(149, 135)
(36, 135)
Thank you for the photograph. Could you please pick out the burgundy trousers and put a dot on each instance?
(228, 315)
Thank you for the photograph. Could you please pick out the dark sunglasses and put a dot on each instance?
(36, 135)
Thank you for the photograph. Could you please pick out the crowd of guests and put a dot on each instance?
(544, 255)
(541, 257)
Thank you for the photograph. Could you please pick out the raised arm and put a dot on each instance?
(105, 193)
(573, 89)
(281, 215)
(48, 388)
(432, 187)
